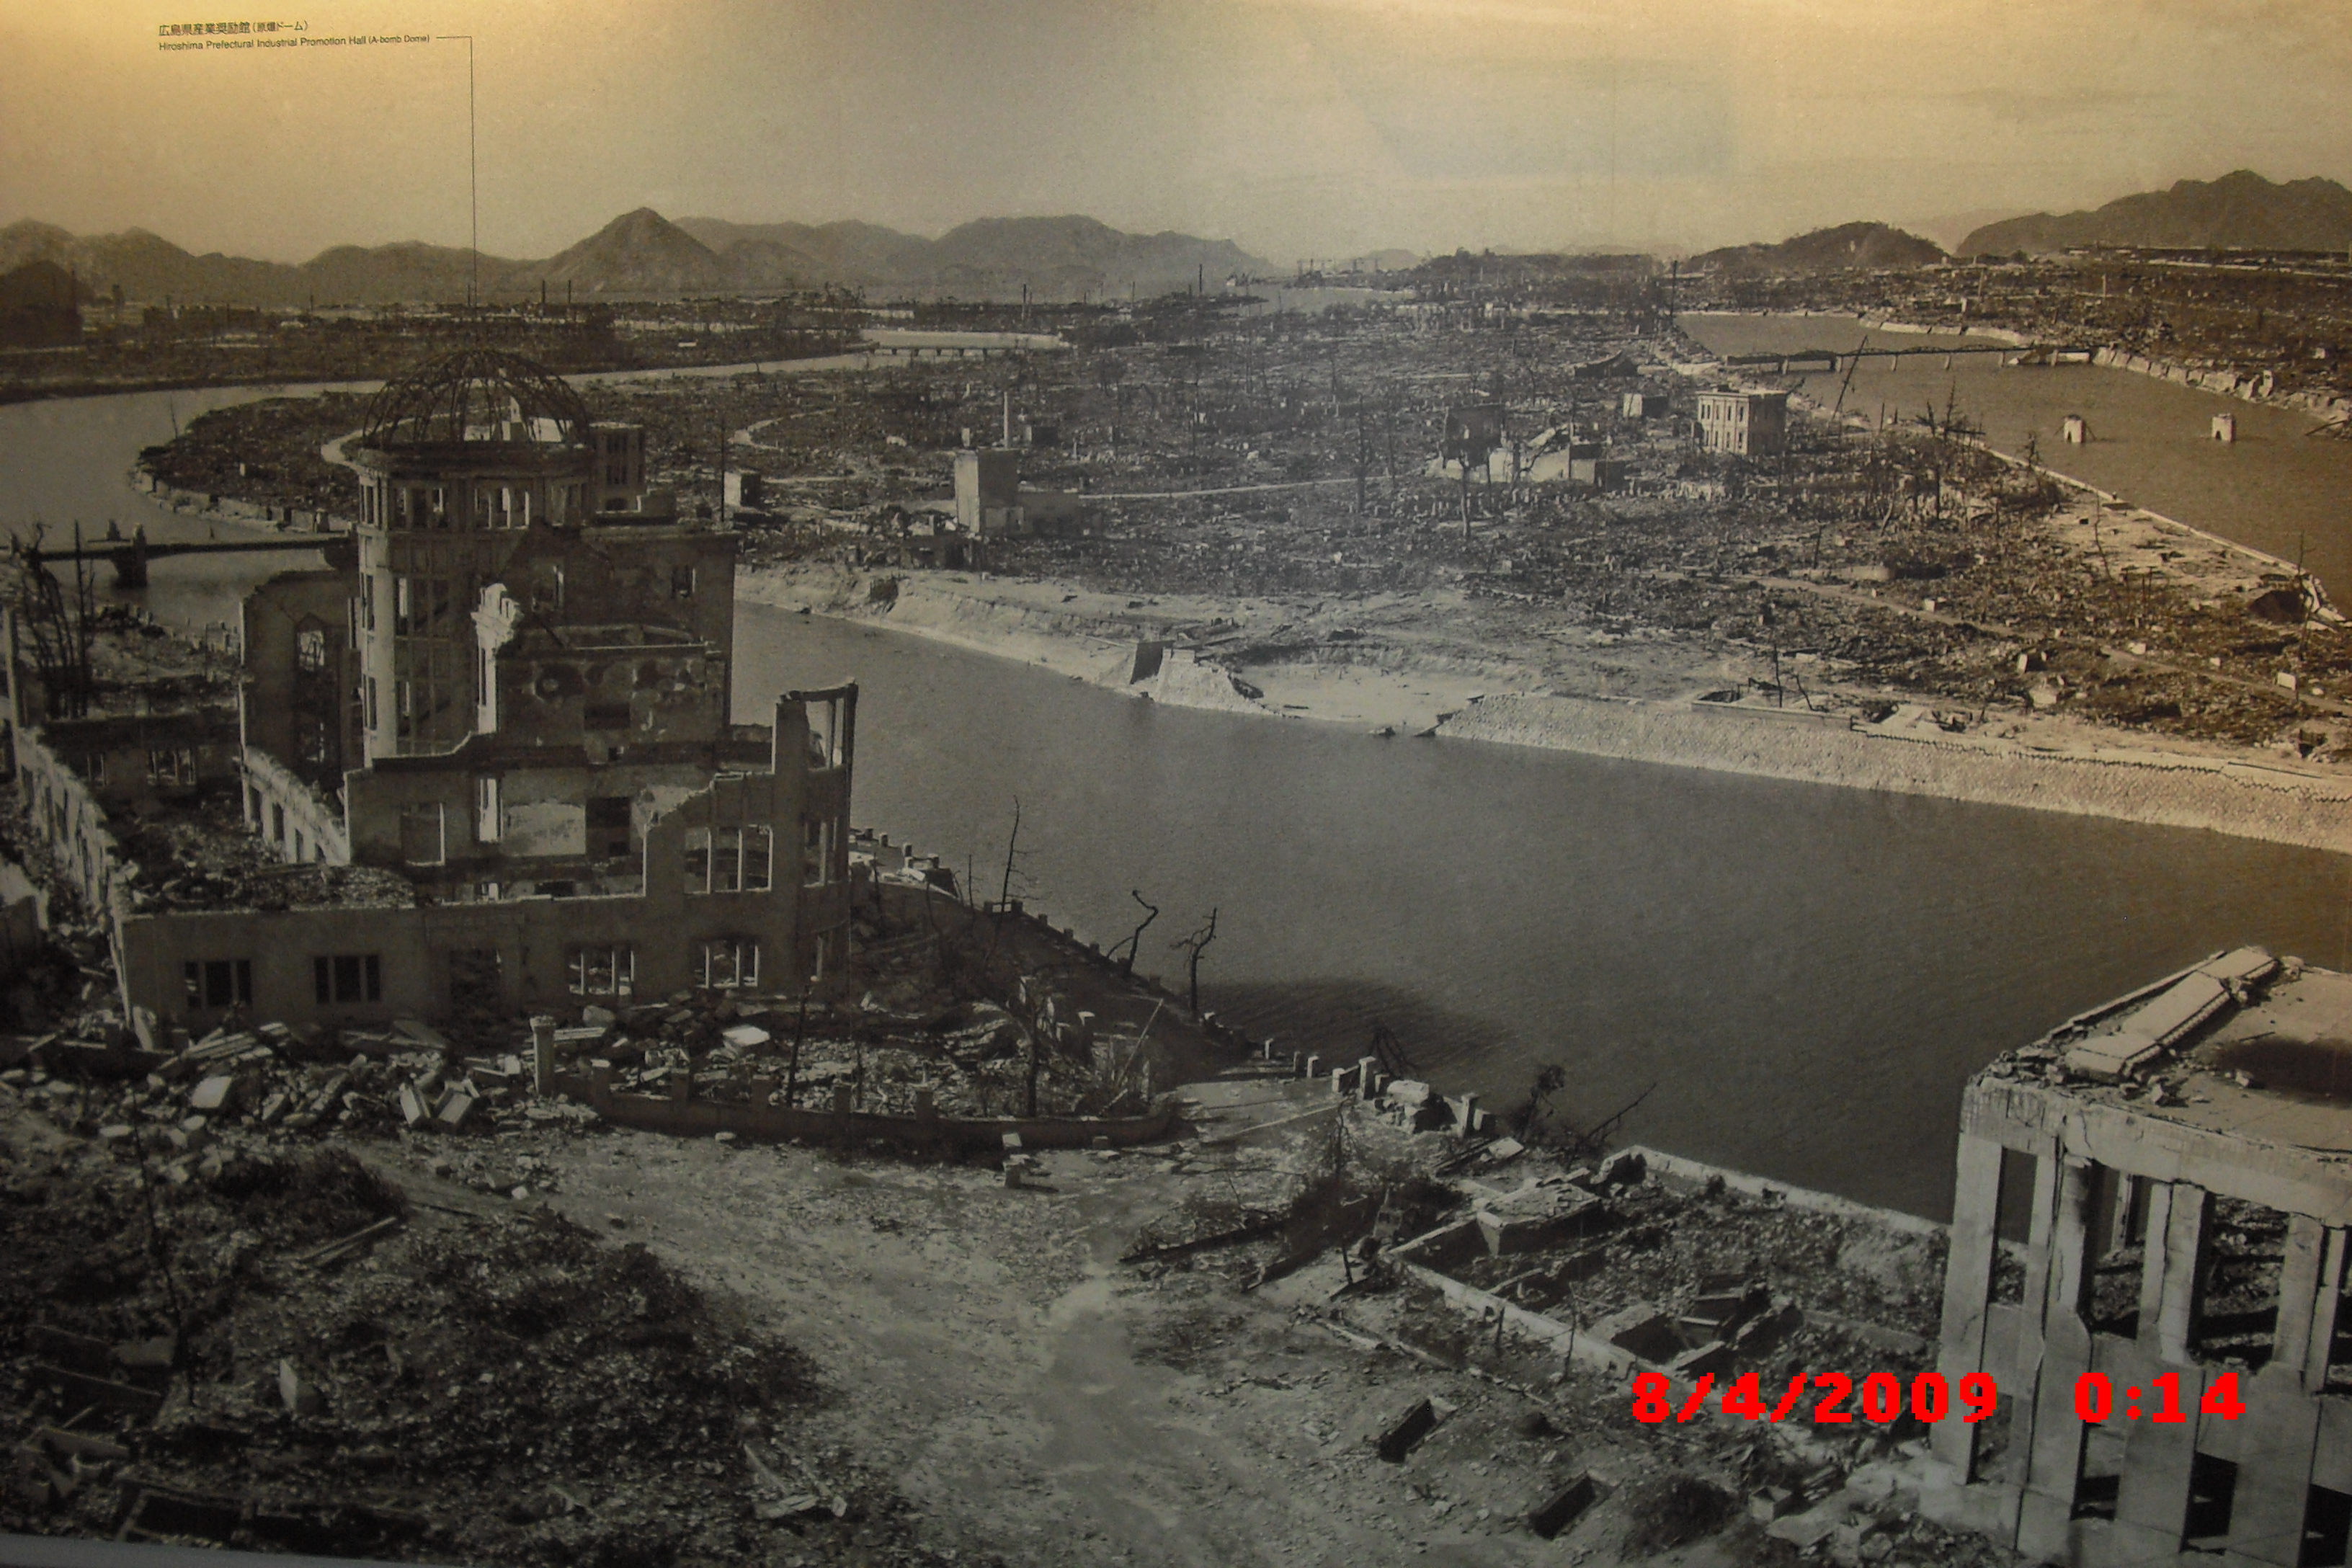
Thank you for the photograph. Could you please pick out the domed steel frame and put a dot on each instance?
(467, 390)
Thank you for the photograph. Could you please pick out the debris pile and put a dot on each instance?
(199, 856)
(269, 1085)
(296, 1354)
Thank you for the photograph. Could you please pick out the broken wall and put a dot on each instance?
(2064, 1490)
(287, 813)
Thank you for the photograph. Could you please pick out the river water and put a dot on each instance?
(2277, 488)
(1802, 977)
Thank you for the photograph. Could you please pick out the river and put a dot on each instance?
(1805, 974)
(2276, 488)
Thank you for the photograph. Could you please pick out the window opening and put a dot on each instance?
(344, 979)
(604, 971)
(730, 963)
(214, 982)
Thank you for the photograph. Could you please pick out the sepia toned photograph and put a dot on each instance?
(1280, 782)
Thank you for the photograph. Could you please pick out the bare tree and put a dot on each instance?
(1194, 946)
(1134, 942)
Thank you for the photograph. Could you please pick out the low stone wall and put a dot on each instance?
(2248, 801)
(761, 1122)
(286, 519)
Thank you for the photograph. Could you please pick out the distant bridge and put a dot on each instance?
(1833, 361)
(130, 557)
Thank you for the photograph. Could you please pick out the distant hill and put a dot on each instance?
(2241, 211)
(152, 269)
(642, 253)
(1852, 246)
(1057, 257)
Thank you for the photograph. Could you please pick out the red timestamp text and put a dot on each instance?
(1882, 1398)
(2095, 1399)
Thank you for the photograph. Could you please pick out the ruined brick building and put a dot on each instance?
(492, 763)
(2148, 1254)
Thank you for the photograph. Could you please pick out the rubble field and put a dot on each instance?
(295, 1352)
(528, 1337)
(1270, 492)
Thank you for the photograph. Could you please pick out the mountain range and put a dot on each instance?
(641, 254)
(2241, 211)
(1864, 247)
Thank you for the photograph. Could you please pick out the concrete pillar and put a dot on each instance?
(2336, 1258)
(1968, 1288)
(1466, 1112)
(2155, 1485)
(2306, 1247)
(1368, 1069)
(2056, 1459)
(845, 1100)
(1343, 1082)
(2184, 1273)
(2152, 1259)
(542, 1054)
(681, 1085)
(1314, 1067)
(926, 1106)
(2118, 1228)
(2274, 1443)
(600, 1080)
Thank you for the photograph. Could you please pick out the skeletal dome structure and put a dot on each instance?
(479, 394)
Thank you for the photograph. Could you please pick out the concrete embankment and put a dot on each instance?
(1084, 645)
(2247, 800)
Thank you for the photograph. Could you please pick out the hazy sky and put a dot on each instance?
(1297, 128)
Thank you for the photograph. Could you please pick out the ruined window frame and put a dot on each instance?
(235, 977)
(817, 845)
(346, 979)
(729, 963)
(602, 968)
(487, 820)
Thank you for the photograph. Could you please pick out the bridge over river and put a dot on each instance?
(130, 557)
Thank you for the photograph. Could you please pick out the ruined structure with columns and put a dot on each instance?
(2148, 1256)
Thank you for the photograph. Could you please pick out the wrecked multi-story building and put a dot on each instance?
(2148, 1256)
(1744, 424)
(492, 760)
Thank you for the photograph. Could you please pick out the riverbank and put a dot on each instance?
(1658, 700)
(2246, 386)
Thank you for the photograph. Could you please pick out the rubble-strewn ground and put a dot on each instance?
(570, 1345)
(475, 1381)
